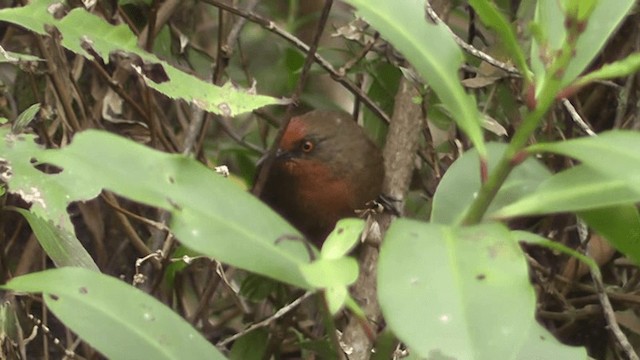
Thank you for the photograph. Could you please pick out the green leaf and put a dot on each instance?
(576, 189)
(462, 181)
(15, 58)
(258, 288)
(607, 176)
(25, 118)
(493, 18)
(613, 153)
(32, 16)
(440, 286)
(60, 245)
(336, 297)
(579, 10)
(209, 212)
(540, 344)
(536, 239)
(342, 239)
(627, 66)
(252, 346)
(120, 321)
(550, 19)
(325, 273)
(620, 225)
(437, 60)
(9, 323)
(385, 78)
(81, 30)
(48, 194)
(334, 272)
(601, 189)
(386, 346)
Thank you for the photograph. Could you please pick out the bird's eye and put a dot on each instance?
(307, 146)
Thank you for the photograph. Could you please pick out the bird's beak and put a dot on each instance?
(283, 155)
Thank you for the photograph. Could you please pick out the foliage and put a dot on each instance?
(144, 327)
(105, 39)
(456, 286)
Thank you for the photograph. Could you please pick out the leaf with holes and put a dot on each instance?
(89, 35)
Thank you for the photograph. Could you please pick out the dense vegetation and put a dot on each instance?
(130, 137)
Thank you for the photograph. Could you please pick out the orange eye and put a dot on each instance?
(307, 146)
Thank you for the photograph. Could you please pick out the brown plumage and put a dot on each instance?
(325, 168)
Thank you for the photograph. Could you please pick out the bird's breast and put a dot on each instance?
(316, 197)
(322, 193)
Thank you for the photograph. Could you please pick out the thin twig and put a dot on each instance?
(221, 59)
(232, 287)
(163, 15)
(136, 241)
(344, 69)
(59, 84)
(266, 322)
(197, 119)
(110, 200)
(237, 138)
(607, 309)
(225, 50)
(623, 102)
(232, 37)
(115, 86)
(151, 24)
(210, 288)
(610, 316)
(468, 47)
(577, 118)
(297, 43)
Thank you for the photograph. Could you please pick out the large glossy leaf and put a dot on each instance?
(81, 30)
(433, 52)
(461, 182)
(460, 293)
(120, 321)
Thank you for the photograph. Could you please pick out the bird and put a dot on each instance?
(325, 168)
